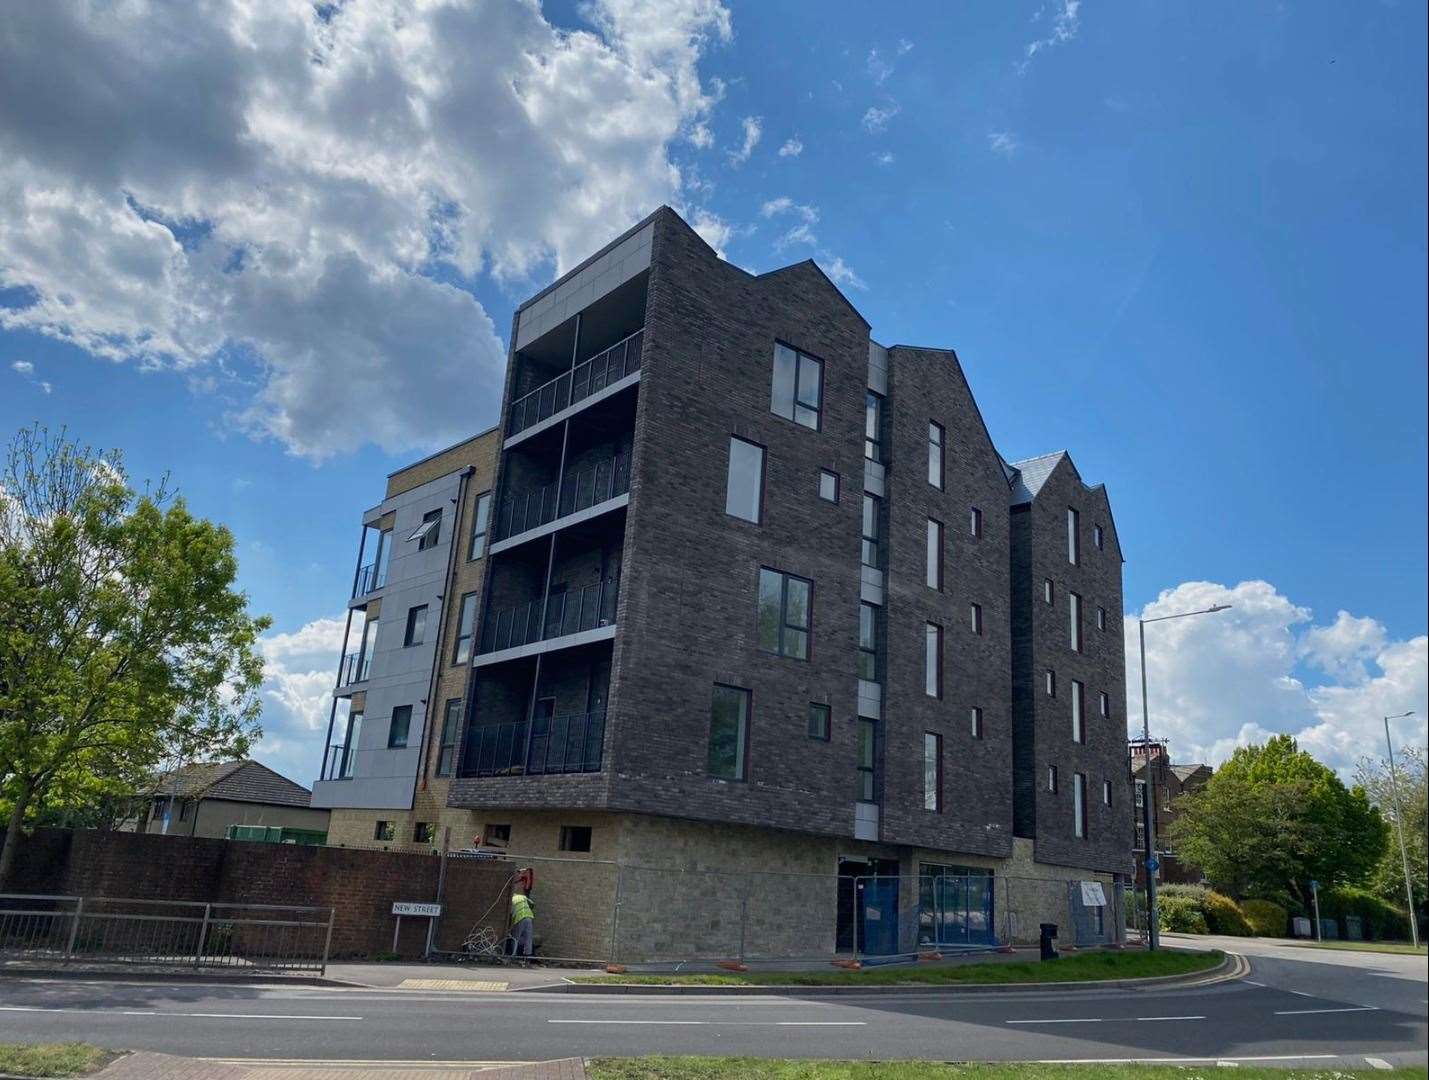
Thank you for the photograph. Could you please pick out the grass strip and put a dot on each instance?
(52, 1059)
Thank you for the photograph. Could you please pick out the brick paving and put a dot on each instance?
(144, 1065)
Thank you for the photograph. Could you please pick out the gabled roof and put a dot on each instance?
(243, 780)
(1029, 475)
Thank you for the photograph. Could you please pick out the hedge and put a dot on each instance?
(1266, 917)
(1180, 915)
(1220, 913)
(1379, 919)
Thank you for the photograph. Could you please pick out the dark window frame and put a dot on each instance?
(384, 831)
(1074, 622)
(1099, 537)
(1104, 704)
(415, 632)
(1050, 683)
(424, 832)
(820, 721)
(868, 654)
(763, 476)
(469, 637)
(838, 483)
(571, 837)
(450, 737)
(1052, 779)
(976, 718)
(1101, 619)
(1074, 536)
(867, 773)
(933, 632)
(784, 626)
(795, 405)
(975, 523)
(938, 446)
(1079, 712)
(741, 764)
(936, 746)
(873, 416)
(480, 527)
(975, 611)
(1080, 830)
(871, 542)
(426, 537)
(1049, 591)
(936, 542)
(406, 728)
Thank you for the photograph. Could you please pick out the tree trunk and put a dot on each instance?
(12, 833)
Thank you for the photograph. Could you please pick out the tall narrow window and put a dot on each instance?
(465, 629)
(975, 612)
(784, 614)
(872, 426)
(1051, 683)
(975, 522)
(480, 526)
(1106, 792)
(1052, 779)
(872, 510)
(975, 716)
(868, 642)
(384, 558)
(1104, 704)
(1074, 616)
(400, 727)
(933, 660)
(819, 721)
(828, 486)
(451, 733)
(867, 761)
(416, 626)
(1098, 537)
(350, 745)
(1079, 804)
(1074, 539)
(744, 491)
(797, 388)
(1101, 618)
(935, 554)
(935, 454)
(429, 533)
(729, 732)
(1079, 720)
(933, 772)
(1047, 590)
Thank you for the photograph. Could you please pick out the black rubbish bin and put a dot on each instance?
(1049, 931)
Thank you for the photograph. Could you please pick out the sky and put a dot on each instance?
(272, 249)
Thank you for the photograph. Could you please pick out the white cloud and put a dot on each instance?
(885, 158)
(701, 136)
(802, 233)
(299, 671)
(1003, 142)
(840, 272)
(24, 367)
(753, 127)
(26, 370)
(792, 147)
(785, 205)
(261, 193)
(878, 68)
(1220, 681)
(713, 229)
(1066, 21)
(876, 118)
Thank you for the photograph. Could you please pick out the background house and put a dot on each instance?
(1151, 764)
(205, 799)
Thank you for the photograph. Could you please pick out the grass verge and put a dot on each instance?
(52, 1059)
(1365, 946)
(1087, 966)
(704, 1068)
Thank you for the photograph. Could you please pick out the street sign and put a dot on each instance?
(1153, 864)
(1314, 885)
(431, 911)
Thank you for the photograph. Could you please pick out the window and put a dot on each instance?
(867, 642)
(429, 533)
(872, 426)
(1140, 794)
(1051, 683)
(480, 526)
(1079, 722)
(818, 721)
(828, 486)
(496, 836)
(1106, 792)
(1098, 537)
(465, 629)
(975, 715)
(867, 761)
(1104, 704)
(184, 807)
(935, 454)
(1074, 541)
(933, 772)
(1101, 618)
(400, 727)
(975, 522)
(349, 746)
(797, 390)
(1052, 779)
(451, 732)
(933, 660)
(416, 626)
(424, 832)
(1047, 591)
(744, 493)
(575, 837)
(383, 830)
(784, 614)
(975, 611)
(1074, 617)
(935, 555)
(729, 732)
(1079, 804)
(871, 514)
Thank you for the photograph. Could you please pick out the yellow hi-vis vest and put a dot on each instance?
(521, 908)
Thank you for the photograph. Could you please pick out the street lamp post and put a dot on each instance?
(1148, 821)
(1399, 826)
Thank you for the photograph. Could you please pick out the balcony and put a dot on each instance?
(586, 378)
(566, 613)
(355, 668)
(335, 767)
(558, 744)
(370, 578)
(577, 490)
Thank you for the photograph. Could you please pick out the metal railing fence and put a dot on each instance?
(355, 668)
(568, 612)
(166, 933)
(578, 489)
(586, 378)
(556, 744)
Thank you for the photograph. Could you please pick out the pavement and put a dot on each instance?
(1295, 1006)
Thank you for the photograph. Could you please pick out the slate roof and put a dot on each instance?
(244, 780)
(1029, 475)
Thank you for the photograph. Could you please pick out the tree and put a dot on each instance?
(1373, 775)
(1272, 819)
(122, 639)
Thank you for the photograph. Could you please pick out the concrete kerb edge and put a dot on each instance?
(178, 977)
(1233, 966)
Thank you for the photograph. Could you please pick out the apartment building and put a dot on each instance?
(760, 593)
(1154, 776)
(396, 717)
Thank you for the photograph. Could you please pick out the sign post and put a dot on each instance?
(1315, 899)
(420, 910)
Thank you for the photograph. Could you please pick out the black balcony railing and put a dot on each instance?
(355, 667)
(370, 578)
(566, 613)
(333, 763)
(577, 490)
(557, 744)
(583, 380)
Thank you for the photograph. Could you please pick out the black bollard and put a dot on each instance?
(1049, 931)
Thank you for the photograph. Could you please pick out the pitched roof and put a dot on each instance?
(1029, 475)
(237, 781)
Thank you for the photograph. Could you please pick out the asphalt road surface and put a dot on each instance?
(1295, 1006)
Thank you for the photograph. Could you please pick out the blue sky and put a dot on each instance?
(1185, 242)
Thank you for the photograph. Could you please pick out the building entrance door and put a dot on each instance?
(867, 906)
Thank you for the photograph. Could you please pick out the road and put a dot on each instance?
(1295, 1005)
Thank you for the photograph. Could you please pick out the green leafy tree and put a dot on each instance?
(1272, 819)
(1373, 775)
(123, 642)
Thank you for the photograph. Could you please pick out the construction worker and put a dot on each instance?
(523, 919)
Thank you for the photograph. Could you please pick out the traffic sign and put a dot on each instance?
(1153, 864)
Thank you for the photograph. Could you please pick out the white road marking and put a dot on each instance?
(724, 1023)
(1377, 1063)
(1301, 993)
(151, 1012)
(1252, 982)
(1079, 1020)
(1180, 1061)
(1316, 1012)
(1144, 1019)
